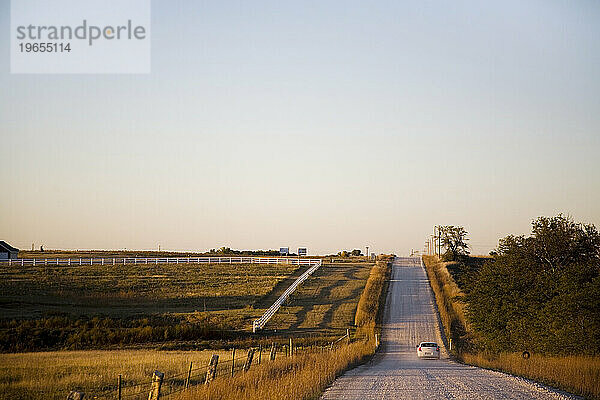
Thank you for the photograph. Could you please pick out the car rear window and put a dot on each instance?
(428, 344)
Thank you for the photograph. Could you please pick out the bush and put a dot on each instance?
(82, 333)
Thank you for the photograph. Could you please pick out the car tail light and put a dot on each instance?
(437, 348)
(419, 348)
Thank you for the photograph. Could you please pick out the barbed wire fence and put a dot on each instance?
(161, 385)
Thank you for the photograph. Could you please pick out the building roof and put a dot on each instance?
(5, 247)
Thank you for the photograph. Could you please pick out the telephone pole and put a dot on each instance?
(439, 241)
(434, 239)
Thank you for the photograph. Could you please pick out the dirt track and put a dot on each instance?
(397, 373)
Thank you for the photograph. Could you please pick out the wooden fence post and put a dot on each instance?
(291, 348)
(376, 340)
(120, 384)
(75, 395)
(211, 372)
(273, 352)
(248, 362)
(157, 380)
(259, 353)
(348, 335)
(233, 361)
(189, 376)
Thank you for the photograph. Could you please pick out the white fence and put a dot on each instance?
(260, 323)
(159, 260)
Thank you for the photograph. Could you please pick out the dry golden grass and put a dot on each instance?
(300, 377)
(51, 375)
(368, 308)
(576, 374)
(448, 296)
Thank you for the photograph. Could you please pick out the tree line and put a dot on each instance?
(539, 292)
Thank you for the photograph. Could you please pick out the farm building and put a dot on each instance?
(7, 251)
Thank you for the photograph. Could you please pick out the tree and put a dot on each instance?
(541, 292)
(356, 252)
(454, 241)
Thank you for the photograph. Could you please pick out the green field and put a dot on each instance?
(325, 303)
(95, 306)
(74, 307)
(324, 306)
(141, 289)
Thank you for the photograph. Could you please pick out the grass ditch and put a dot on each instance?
(450, 304)
(576, 374)
(369, 311)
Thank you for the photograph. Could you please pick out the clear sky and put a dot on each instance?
(311, 123)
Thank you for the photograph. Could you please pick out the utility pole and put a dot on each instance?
(367, 252)
(439, 241)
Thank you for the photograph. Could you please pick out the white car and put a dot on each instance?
(428, 350)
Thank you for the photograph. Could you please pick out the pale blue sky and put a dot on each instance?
(321, 124)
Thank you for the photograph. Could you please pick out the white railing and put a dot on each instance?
(158, 260)
(260, 323)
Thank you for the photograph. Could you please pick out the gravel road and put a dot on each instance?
(396, 372)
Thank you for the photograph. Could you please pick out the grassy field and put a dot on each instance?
(53, 374)
(325, 303)
(95, 306)
(125, 290)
